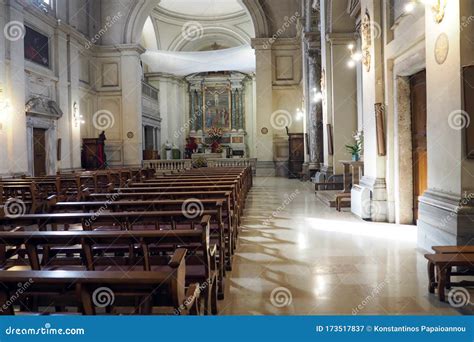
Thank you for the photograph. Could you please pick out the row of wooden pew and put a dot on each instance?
(33, 191)
(148, 244)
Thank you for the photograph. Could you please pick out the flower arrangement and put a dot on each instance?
(356, 149)
(191, 146)
(215, 133)
(199, 162)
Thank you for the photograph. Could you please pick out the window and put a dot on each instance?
(45, 5)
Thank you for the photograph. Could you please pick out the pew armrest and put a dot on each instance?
(177, 258)
(206, 219)
(191, 303)
(52, 200)
(213, 257)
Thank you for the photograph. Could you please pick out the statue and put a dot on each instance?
(168, 150)
(101, 159)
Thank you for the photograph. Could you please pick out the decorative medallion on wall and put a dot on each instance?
(264, 130)
(366, 33)
(441, 48)
(130, 135)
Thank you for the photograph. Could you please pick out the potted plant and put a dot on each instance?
(356, 149)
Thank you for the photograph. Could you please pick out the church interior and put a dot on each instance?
(236, 157)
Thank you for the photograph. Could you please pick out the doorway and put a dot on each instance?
(418, 134)
(39, 152)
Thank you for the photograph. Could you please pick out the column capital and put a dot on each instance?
(261, 43)
(341, 38)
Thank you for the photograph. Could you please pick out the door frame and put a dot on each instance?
(49, 125)
(404, 67)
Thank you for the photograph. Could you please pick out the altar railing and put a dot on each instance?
(229, 162)
(168, 165)
(184, 164)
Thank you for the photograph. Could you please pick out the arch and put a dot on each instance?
(142, 9)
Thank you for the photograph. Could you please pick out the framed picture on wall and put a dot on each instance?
(380, 128)
(463, 119)
(217, 107)
(330, 139)
(36, 47)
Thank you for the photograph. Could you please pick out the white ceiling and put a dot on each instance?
(202, 8)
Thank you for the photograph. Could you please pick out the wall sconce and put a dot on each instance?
(356, 56)
(4, 108)
(317, 95)
(299, 114)
(438, 7)
(77, 117)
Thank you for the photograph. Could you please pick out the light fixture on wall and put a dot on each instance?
(356, 56)
(4, 108)
(317, 95)
(299, 114)
(438, 7)
(77, 117)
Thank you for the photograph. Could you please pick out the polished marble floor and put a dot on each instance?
(298, 257)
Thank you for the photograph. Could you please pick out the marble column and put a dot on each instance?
(15, 121)
(241, 110)
(193, 111)
(264, 106)
(315, 117)
(233, 109)
(131, 104)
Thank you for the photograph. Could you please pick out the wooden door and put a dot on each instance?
(39, 151)
(418, 131)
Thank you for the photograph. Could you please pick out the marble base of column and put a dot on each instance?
(378, 202)
(444, 219)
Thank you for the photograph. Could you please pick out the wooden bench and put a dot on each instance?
(137, 223)
(78, 288)
(223, 232)
(443, 264)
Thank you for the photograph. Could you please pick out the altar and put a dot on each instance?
(218, 103)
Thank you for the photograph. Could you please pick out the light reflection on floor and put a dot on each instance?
(303, 258)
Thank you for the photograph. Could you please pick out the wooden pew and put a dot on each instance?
(77, 288)
(142, 253)
(443, 264)
(135, 223)
(223, 234)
